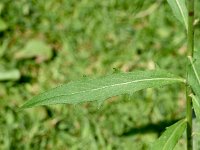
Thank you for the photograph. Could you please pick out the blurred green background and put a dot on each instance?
(45, 43)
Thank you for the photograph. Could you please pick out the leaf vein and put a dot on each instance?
(119, 84)
(125, 83)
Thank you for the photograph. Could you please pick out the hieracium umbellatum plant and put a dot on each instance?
(122, 83)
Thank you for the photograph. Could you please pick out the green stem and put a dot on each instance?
(189, 119)
(190, 48)
(190, 35)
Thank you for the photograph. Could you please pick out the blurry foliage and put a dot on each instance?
(83, 38)
(35, 48)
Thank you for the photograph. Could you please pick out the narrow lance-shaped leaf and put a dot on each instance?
(102, 88)
(170, 137)
(180, 11)
(194, 76)
(196, 106)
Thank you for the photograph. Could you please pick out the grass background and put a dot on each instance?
(51, 42)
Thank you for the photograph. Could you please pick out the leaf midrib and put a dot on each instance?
(119, 84)
(125, 83)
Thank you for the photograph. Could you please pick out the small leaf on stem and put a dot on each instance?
(103, 88)
(170, 137)
(196, 105)
(194, 76)
(180, 11)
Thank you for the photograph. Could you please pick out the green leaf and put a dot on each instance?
(3, 25)
(170, 137)
(35, 48)
(196, 106)
(180, 11)
(194, 76)
(102, 88)
(196, 54)
(8, 75)
(3, 47)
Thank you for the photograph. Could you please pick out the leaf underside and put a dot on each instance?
(170, 137)
(180, 11)
(102, 88)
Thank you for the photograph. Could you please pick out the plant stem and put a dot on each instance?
(189, 119)
(190, 35)
(190, 48)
